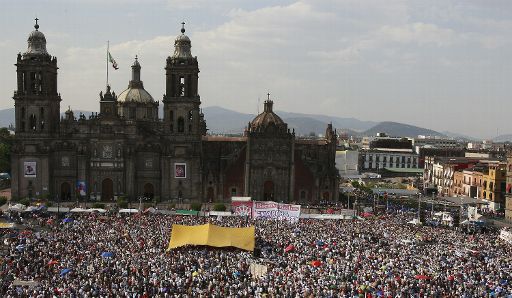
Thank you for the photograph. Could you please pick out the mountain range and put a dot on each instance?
(224, 121)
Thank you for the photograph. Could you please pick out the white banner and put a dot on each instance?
(506, 236)
(275, 210)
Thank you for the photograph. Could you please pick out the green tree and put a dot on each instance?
(219, 207)
(6, 140)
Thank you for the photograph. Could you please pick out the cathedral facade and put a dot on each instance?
(128, 150)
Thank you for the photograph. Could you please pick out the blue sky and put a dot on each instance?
(443, 65)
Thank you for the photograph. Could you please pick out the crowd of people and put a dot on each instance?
(97, 255)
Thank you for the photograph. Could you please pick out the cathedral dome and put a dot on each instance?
(139, 95)
(36, 42)
(135, 92)
(268, 117)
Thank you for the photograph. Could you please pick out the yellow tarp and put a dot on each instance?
(212, 235)
(5, 225)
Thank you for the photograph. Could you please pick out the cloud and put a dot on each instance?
(322, 56)
(418, 33)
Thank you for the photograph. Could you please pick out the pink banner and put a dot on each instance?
(241, 208)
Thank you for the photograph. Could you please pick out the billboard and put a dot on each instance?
(180, 170)
(30, 169)
(81, 188)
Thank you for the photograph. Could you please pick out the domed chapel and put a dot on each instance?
(126, 150)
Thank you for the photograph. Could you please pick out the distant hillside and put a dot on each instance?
(503, 138)
(458, 136)
(348, 123)
(396, 129)
(304, 126)
(221, 120)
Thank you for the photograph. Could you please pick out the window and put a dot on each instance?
(303, 195)
(149, 113)
(171, 128)
(33, 82)
(233, 191)
(181, 87)
(41, 116)
(171, 116)
(149, 163)
(132, 112)
(181, 124)
(22, 113)
(32, 122)
(39, 82)
(65, 161)
(24, 82)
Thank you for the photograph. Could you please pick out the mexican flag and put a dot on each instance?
(111, 60)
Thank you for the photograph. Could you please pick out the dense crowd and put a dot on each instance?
(125, 256)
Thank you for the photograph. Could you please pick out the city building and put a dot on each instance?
(347, 163)
(494, 185)
(435, 142)
(508, 189)
(439, 172)
(126, 150)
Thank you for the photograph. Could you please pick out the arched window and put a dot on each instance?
(181, 124)
(32, 122)
(302, 194)
(41, 117)
(171, 116)
(181, 87)
(22, 113)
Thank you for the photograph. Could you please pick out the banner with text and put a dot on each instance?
(241, 208)
(275, 210)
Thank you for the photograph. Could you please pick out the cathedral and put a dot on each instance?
(127, 150)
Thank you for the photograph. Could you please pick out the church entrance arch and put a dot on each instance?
(209, 194)
(149, 191)
(268, 190)
(107, 190)
(65, 191)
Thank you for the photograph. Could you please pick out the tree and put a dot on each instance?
(6, 140)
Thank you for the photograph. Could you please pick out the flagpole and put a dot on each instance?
(108, 46)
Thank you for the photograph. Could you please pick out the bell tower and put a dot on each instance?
(37, 102)
(181, 100)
